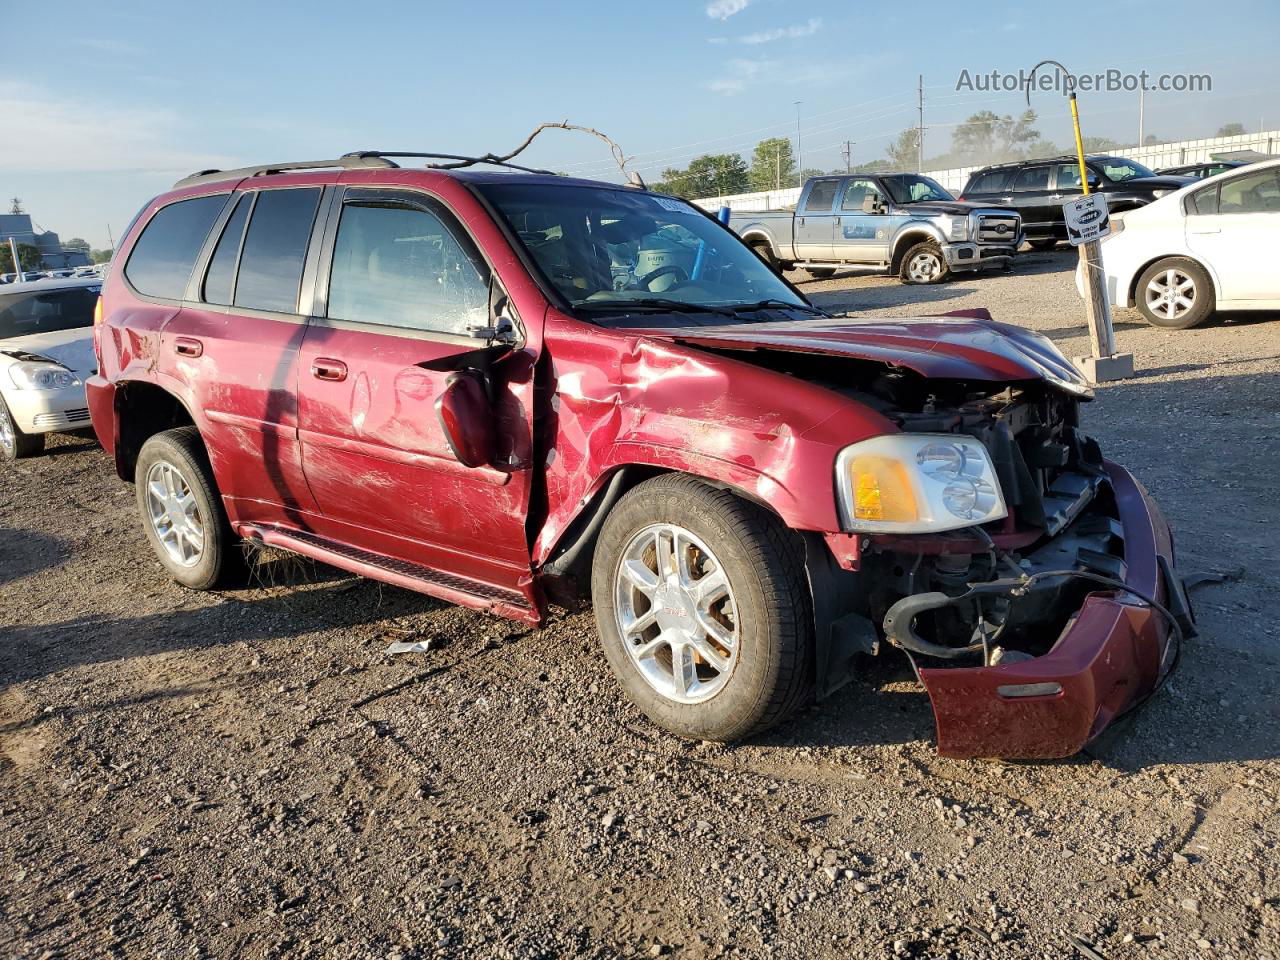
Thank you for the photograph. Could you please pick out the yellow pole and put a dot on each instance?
(1075, 122)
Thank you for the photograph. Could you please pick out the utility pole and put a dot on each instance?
(920, 128)
(17, 264)
(1142, 106)
(777, 168)
(848, 156)
(799, 152)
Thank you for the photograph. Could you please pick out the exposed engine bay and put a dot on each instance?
(984, 595)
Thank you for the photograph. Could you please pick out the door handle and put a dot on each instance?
(325, 369)
(838, 220)
(1006, 199)
(187, 347)
(800, 221)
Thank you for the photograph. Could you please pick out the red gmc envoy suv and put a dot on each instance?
(506, 387)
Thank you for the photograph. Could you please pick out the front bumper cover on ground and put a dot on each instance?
(1109, 657)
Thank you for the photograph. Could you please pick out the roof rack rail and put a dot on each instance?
(458, 161)
(350, 161)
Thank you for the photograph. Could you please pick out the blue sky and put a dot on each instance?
(104, 106)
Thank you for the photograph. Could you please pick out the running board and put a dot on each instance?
(400, 573)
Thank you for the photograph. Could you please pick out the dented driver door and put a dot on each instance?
(402, 297)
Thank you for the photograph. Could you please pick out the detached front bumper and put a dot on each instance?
(1110, 656)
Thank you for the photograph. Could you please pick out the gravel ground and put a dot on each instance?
(248, 774)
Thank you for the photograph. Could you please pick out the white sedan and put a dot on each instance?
(1203, 248)
(46, 352)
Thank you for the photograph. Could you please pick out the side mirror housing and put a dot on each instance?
(870, 203)
(466, 417)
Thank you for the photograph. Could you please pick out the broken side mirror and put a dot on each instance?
(466, 417)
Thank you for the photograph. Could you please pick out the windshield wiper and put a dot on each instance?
(781, 304)
(654, 304)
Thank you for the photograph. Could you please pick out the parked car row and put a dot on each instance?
(500, 389)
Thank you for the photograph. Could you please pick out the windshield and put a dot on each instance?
(1120, 170)
(913, 188)
(46, 311)
(607, 250)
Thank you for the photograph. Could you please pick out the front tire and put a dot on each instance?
(1044, 243)
(1175, 293)
(821, 273)
(923, 263)
(182, 514)
(703, 608)
(14, 444)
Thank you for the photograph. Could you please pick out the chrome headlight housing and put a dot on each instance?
(956, 228)
(917, 483)
(42, 375)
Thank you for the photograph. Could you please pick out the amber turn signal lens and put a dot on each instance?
(97, 312)
(882, 490)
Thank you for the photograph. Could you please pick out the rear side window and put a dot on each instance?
(275, 248)
(993, 181)
(44, 311)
(219, 281)
(1032, 178)
(821, 196)
(161, 261)
(401, 266)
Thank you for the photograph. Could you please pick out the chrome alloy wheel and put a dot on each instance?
(676, 613)
(174, 514)
(924, 266)
(1171, 294)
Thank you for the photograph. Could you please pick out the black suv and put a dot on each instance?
(1037, 189)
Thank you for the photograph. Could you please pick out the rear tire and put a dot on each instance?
(762, 250)
(922, 264)
(821, 273)
(14, 444)
(182, 513)
(1175, 293)
(726, 561)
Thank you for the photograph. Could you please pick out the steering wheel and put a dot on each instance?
(653, 275)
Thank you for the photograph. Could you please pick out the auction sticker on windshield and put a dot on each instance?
(675, 206)
(1086, 218)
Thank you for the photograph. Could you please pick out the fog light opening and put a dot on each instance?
(1014, 690)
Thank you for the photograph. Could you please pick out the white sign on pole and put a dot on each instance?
(1087, 219)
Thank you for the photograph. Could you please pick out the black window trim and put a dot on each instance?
(413, 198)
(196, 268)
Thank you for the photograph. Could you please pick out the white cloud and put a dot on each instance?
(794, 32)
(44, 133)
(724, 9)
(739, 74)
(807, 29)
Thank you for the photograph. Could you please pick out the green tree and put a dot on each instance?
(28, 254)
(809, 172)
(904, 151)
(1231, 130)
(77, 244)
(101, 256)
(1099, 144)
(987, 137)
(772, 164)
(712, 175)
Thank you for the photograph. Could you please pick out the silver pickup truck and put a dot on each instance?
(903, 221)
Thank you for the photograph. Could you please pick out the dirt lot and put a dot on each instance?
(248, 774)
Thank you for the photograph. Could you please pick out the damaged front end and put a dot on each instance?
(1033, 633)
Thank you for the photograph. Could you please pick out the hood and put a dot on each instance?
(1164, 182)
(71, 348)
(930, 208)
(955, 346)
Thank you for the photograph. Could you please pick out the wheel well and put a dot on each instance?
(905, 243)
(1132, 294)
(566, 574)
(143, 410)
